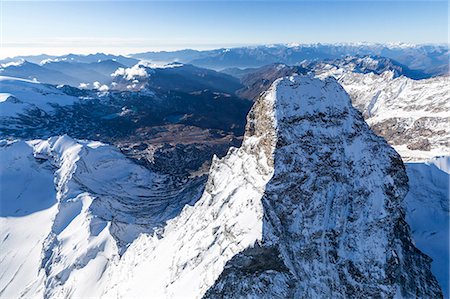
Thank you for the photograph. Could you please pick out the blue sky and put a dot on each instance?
(58, 27)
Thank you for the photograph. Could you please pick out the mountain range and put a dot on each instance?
(281, 175)
(311, 204)
(432, 59)
(414, 61)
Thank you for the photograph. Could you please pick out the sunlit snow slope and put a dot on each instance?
(68, 208)
(21, 95)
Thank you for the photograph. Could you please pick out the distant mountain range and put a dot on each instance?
(414, 61)
(431, 59)
(62, 72)
(74, 58)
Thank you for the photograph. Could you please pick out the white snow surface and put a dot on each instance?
(18, 95)
(427, 212)
(85, 201)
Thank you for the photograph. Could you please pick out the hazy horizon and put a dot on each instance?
(63, 52)
(124, 27)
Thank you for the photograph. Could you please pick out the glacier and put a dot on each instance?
(86, 202)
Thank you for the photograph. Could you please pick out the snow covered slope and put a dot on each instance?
(27, 207)
(85, 202)
(364, 65)
(308, 206)
(427, 212)
(413, 115)
(20, 95)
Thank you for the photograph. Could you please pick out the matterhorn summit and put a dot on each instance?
(332, 222)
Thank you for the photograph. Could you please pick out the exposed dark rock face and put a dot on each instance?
(413, 133)
(262, 268)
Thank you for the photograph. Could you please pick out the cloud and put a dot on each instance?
(130, 74)
(100, 87)
(83, 85)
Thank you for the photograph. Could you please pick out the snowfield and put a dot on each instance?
(88, 202)
(21, 95)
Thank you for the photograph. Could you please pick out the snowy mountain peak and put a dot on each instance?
(290, 101)
(332, 223)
